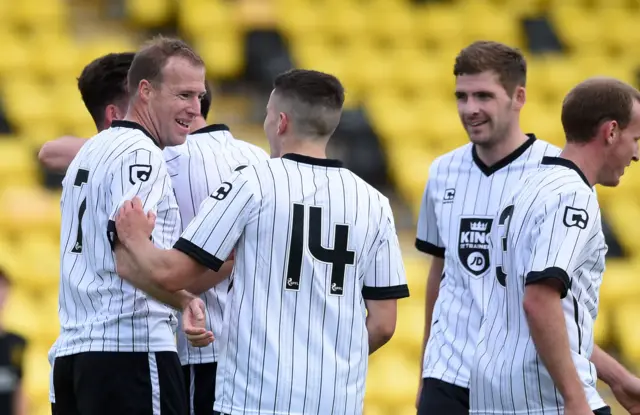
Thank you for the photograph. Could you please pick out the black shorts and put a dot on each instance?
(439, 397)
(200, 383)
(109, 383)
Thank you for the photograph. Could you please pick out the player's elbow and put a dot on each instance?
(46, 157)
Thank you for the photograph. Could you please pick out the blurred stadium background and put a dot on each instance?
(395, 58)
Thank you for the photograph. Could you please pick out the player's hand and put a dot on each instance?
(627, 393)
(132, 223)
(193, 323)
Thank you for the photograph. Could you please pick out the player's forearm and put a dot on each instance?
(609, 370)
(211, 278)
(130, 270)
(19, 401)
(381, 322)
(543, 309)
(433, 289)
(58, 154)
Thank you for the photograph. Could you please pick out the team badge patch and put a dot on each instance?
(575, 217)
(139, 173)
(473, 244)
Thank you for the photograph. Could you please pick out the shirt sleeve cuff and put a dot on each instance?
(429, 248)
(385, 293)
(198, 254)
(535, 277)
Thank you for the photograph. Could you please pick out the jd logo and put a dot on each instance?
(473, 244)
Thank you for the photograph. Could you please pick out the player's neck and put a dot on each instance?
(308, 148)
(143, 118)
(492, 155)
(583, 156)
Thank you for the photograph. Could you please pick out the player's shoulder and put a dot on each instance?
(544, 148)
(451, 159)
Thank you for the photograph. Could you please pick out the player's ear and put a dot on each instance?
(610, 131)
(519, 97)
(144, 90)
(111, 113)
(283, 123)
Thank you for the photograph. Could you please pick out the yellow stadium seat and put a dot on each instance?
(601, 329)
(223, 54)
(482, 21)
(256, 14)
(37, 372)
(16, 57)
(348, 19)
(399, 389)
(149, 13)
(618, 214)
(581, 30)
(26, 101)
(40, 275)
(399, 22)
(620, 284)
(410, 326)
(102, 45)
(55, 55)
(297, 20)
(18, 166)
(29, 209)
(51, 14)
(628, 335)
(21, 313)
(408, 167)
(198, 18)
(439, 24)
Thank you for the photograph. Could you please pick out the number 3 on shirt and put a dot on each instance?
(81, 179)
(504, 221)
(339, 257)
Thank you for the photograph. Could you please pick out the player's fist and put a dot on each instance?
(193, 323)
(132, 224)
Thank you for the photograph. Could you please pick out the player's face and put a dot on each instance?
(175, 103)
(622, 150)
(485, 108)
(272, 126)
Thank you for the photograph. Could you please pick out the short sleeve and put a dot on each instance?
(428, 236)
(559, 232)
(385, 276)
(219, 223)
(141, 173)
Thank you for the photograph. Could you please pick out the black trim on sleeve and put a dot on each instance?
(112, 234)
(198, 254)
(385, 293)
(429, 248)
(535, 277)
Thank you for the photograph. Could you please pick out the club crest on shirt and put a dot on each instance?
(473, 244)
(139, 173)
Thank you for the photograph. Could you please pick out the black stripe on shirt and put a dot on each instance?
(429, 248)
(385, 293)
(553, 272)
(198, 254)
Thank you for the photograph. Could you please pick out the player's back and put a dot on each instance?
(550, 227)
(98, 310)
(295, 339)
(197, 168)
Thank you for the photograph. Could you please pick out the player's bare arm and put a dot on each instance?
(56, 155)
(543, 310)
(624, 385)
(171, 269)
(210, 279)
(433, 288)
(19, 401)
(381, 322)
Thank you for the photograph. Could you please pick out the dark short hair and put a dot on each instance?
(593, 102)
(151, 59)
(104, 82)
(482, 56)
(205, 102)
(316, 100)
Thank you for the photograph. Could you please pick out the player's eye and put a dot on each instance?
(460, 96)
(484, 95)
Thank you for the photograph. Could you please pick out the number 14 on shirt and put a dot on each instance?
(338, 257)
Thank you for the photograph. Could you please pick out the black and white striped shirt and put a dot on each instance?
(549, 228)
(313, 241)
(461, 198)
(98, 310)
(197, 169)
